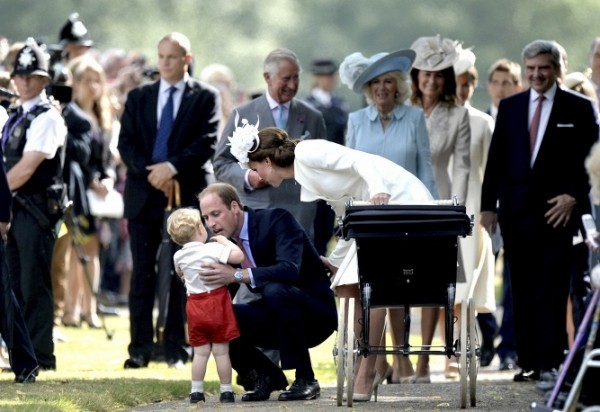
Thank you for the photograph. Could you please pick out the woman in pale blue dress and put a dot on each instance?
(389, 128)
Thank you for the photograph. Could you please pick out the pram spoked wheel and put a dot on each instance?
(345, 351)
(468, 354)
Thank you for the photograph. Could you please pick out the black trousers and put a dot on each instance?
(539, 265)
(29, 252)
(146, 235)
(287, 319)
(12, 325)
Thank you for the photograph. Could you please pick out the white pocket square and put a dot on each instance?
(565, 125)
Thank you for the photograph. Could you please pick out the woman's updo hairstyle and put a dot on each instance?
(276, 145)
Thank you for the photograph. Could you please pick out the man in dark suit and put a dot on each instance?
(12, 326)
(335, 114)
(157, 151)
(281, 71)
(535, 170)
(297, 310)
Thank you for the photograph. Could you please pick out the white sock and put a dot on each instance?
(197, 386)
(226, 387)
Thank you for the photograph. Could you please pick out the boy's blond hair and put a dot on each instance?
(183, 223)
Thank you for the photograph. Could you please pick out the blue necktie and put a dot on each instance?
(282, 118)
(161, 148)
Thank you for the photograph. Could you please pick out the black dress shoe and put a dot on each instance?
(508, 363)
(262, 390)
(196, 397)
(527, 376)
(227, 397)
(135, 362)
(547, 381)
(487, 354)
(247, 380)
(301, 390)
(27, 376)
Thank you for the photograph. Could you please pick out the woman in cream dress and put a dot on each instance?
(477, 254)
(336, 174)
(434, 90)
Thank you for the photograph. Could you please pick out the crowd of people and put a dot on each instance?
(259, 183)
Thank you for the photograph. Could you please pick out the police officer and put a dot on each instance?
(12, 326)
(33, 145)
(74, 38)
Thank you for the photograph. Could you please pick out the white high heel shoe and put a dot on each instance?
(365, 397)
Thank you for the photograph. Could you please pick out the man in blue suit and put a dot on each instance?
(296, 310)
(535, 175)
(168, 131)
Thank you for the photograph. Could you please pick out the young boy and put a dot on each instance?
(211, 321)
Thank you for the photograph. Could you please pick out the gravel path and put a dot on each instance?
(495, 392)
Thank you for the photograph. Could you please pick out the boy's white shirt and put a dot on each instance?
(192, 256)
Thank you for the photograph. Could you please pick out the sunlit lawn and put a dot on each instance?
(90, 375)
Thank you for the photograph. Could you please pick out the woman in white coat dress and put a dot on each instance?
(334, 173)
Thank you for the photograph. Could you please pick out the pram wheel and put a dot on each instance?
(346, 351)
(467, 353)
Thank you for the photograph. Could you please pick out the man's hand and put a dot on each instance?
(4, 228)
(489, 221)
(255, 180)
(160, 177)
(215, 273)
(560, 212)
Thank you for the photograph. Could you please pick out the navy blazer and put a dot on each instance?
(191, 142)
(522, 190)
(283, 253)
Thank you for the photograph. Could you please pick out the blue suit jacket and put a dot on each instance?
(283, 253)
(522, 190)
(191, 142)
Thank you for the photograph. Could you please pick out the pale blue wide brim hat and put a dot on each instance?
(379, 64)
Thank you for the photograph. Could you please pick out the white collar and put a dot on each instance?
(273, 103)
(180, 85)
(548, 94)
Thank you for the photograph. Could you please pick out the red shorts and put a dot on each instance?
(210, 317)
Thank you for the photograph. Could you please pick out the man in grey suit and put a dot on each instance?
(277, 107)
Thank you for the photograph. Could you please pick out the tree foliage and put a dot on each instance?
(240, 33)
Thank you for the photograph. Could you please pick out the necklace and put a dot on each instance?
(385, 117)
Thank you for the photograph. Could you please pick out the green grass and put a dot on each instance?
(90, 375)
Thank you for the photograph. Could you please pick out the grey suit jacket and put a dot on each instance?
(304, 122)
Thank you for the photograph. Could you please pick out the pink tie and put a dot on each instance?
(535, 123)
(246, 262)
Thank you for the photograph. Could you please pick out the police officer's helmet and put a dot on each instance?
(74, 32)
(31, 60)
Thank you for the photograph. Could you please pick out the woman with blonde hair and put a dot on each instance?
(89, 120)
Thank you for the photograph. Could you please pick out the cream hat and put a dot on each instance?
(434, 53)
(466, 60)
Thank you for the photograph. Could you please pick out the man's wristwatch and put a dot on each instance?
(238, 276)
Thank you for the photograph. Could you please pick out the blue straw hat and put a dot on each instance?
(356, 70)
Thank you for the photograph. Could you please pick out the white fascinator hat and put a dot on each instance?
(466, 60)
(434, 53)
(356, 69)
